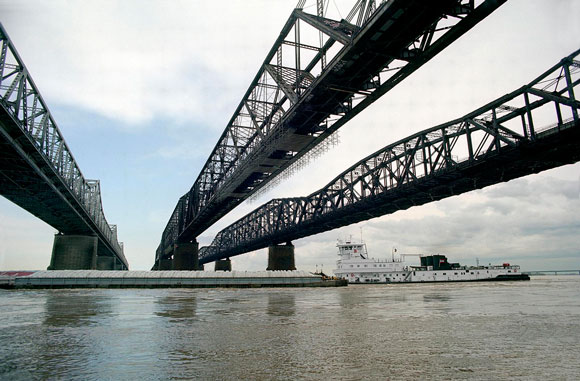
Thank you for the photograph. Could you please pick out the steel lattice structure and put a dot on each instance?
(495, 143)
(37, 168)
(319, 74)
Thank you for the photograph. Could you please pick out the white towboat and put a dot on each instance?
(355, 266)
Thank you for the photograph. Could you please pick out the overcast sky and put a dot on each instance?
(142, 90)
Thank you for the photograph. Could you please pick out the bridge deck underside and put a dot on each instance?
(377, 45)
(28, 181)
(550, 151)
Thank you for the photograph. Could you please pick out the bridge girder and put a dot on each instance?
(37, 168)
(297, 100)
(495, 143)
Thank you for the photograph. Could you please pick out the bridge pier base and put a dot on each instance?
(118, 265)
(223, 265)
(281, 257)
(165, 264)
(74, 252)
(106, 263)
(185, 256)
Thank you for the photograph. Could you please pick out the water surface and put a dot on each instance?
(500, 330)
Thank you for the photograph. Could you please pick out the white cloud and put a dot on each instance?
(136, 60)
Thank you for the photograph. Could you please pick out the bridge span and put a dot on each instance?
(39, 173)
(304, 91)
(531, 129)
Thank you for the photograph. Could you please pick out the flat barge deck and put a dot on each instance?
(167, 279)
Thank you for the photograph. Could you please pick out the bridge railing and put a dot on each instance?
(508, 122)
(21, 99)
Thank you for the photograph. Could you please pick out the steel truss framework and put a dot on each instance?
(495, 143)
(37, 169)
(319, 74)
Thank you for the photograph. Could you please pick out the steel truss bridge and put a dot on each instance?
(534, 128)
(318, 75)
(554, 272)
(37, 169)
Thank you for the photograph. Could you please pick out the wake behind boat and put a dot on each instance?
(355, 266)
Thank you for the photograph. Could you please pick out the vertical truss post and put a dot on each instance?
(4, 43)
(361, 13)
(425, 167)
(530, 125)
(525, 126)
(469, 141)
(495, 130)
(44, 134)
(371, 8)
(279, 60)
(559, 114)
(320, 13)
(570, 89)
(20, 92)
(445, 148)
(297, 54)
(30, 123)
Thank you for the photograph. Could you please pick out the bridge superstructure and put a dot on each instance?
(553, 272)
(39, 173)
(531, 129)
(318, 75)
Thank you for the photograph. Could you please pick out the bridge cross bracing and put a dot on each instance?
(318, 75)
(37, 169)
(531, 129)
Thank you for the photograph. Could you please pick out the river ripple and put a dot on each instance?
(502, 330)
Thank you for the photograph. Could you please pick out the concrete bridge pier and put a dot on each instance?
(106, 263)
(223, 265)
(118, 265)
(109, 263)
(185, 256)
(165, 264)
(281, 257)
(74, 252)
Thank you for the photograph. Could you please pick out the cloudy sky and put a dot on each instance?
(142, 90)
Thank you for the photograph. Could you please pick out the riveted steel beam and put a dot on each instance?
(57, 191)
(311, 101)
(426, 166)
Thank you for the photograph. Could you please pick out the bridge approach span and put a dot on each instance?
(37, 169)
(305, 90)
(498, 142)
